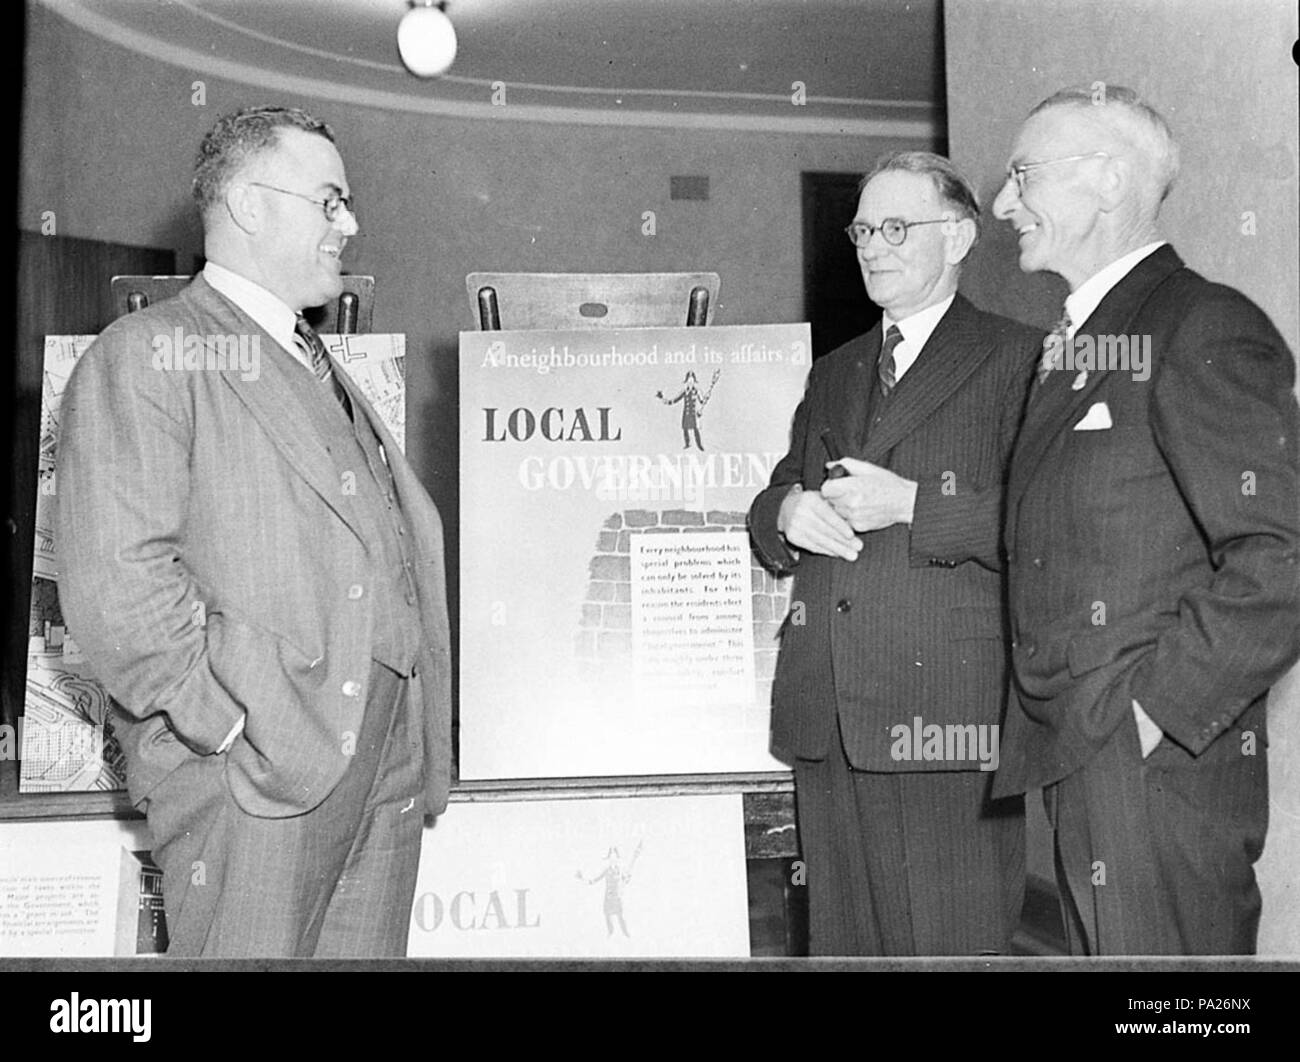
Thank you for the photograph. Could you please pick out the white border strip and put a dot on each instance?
(176, 55)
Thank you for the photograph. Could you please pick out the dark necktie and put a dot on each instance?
(885, 366)
(1054, 348)
(311, 345)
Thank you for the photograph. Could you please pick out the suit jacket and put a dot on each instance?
(210, 559)
(1155, 559)
(914, 626)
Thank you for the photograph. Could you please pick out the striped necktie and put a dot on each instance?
(1054, 347)
(311, 345)
(885, 366)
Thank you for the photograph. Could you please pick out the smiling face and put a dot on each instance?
(296, 251)
(1058, 216)
(922, 270)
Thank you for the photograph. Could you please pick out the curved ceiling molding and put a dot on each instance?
(286, 66)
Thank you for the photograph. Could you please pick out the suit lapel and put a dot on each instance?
(272, 402)
(1055, 406)
(950, 355)
(410, 492)
(417, 507)
(855, 390)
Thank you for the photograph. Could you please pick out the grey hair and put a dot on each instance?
(951, 184)
(1130, 118)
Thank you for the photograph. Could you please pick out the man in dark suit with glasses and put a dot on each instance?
(891, 679)
(1153, 539)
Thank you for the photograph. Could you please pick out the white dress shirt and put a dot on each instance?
(1081, 302)
(916, 331)
(263, 307)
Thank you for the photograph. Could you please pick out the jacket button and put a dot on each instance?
(355, 592)
(1037, 562)
(351, 688)
(1030, 649)
(844, 605)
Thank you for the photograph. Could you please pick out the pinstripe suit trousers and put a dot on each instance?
(334, 882)
(916, 863)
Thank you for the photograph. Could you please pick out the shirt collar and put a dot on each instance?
(1081, 302)
(264, 308)
(916, 331)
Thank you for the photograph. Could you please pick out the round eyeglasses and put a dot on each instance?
(894, 230)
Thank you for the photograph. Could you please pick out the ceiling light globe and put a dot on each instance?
(426, 40)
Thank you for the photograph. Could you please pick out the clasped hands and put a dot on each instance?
(826, 521)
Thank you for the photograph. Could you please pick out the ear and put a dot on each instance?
(1116, 182)
(244, 206)
(958, 238)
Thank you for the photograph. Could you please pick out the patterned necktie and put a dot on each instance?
(885, 366)
(311, 345)
(1054, 347)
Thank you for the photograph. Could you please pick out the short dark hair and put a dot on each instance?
(949, 181)
(241, 136)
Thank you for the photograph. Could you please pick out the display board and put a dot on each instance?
(613, 618)
(79, 889)
(605, 878)
(66, 737)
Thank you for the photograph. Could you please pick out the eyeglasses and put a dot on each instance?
(1020, 172)
(330, 204)
(893, 229)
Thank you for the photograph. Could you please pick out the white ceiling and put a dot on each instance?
(860, 61)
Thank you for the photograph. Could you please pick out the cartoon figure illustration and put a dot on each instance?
(693, 402)
(615, 878)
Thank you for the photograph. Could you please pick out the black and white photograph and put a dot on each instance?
(654, 486)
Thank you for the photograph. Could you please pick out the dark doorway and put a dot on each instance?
(835, 304)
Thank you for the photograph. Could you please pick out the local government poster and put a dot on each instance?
(613, 618)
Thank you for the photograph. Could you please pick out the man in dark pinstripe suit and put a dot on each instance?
(256, 575)
(891, 678)
(1153, 542)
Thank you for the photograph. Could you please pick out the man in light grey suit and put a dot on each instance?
(256, 575)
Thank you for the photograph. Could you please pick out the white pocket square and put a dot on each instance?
(1096, 419)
